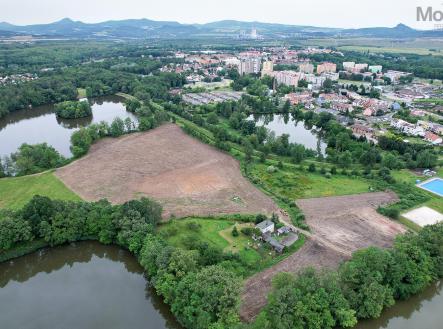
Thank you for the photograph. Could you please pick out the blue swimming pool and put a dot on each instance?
(434, 185)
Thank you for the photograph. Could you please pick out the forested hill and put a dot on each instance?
(145, 28)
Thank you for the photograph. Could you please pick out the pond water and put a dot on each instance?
(422, 311)
(297, 131)
(40, 124)
(83, 285)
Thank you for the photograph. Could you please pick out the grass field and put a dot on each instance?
(17, 191)
(295, 184)
(217, 233)
(394, 50)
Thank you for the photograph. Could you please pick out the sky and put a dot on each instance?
(324, 13)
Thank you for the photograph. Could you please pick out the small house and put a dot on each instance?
(266, 226)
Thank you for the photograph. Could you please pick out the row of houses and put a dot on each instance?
(428, 130)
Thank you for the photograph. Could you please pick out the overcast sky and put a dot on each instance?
(330, 13)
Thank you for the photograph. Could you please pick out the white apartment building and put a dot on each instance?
(249, 66)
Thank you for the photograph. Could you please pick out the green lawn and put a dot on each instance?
(17, 191)
(294, 184)
(217, 233)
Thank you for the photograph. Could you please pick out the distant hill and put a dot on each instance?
(145, 28)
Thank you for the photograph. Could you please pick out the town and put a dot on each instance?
(220, 174)
(367, 99)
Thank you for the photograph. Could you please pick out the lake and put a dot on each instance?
(83, 285)
(298, 133)
(40, 124)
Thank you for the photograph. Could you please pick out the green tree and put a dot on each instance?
(205, 297)
(117, 127)
(365, 283)
(212, 118)
(426, 159)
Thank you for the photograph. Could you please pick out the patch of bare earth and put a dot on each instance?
(186, 176)
(339, 226)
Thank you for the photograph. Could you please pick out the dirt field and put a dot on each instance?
(186, 176)
(339, 226)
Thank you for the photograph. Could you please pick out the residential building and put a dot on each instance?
(289, 78)
(360, 67)
(300, 98)
(408, 128)
(395, 75)
(433, 138)
(249, 66)
(359, 130)
(268, 68)
(375, 68)
(326, 68)
(331, 76)
(266, 226)
(348, 66)
(306, 68)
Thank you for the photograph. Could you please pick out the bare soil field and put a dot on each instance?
(339, 226)
(351, 222)
(186, 176)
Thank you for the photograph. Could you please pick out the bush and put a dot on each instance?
(248, 231)
(311, 167)
(193, 226)
(271, 169)
(260, 218)
(234, 231)
(389, 212)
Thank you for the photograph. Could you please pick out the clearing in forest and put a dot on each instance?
(186, 176)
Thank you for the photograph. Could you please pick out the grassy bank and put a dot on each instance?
(15, 192)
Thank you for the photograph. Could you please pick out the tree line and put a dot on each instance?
(362, 287)
(202, 293)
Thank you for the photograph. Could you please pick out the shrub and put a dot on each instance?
(271, 169)
(311, 167)
(193, 226)
(260, 218)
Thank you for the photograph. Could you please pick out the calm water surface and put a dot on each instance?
(298, 133)
(423, 311)
(84, 286)
(41, 125)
